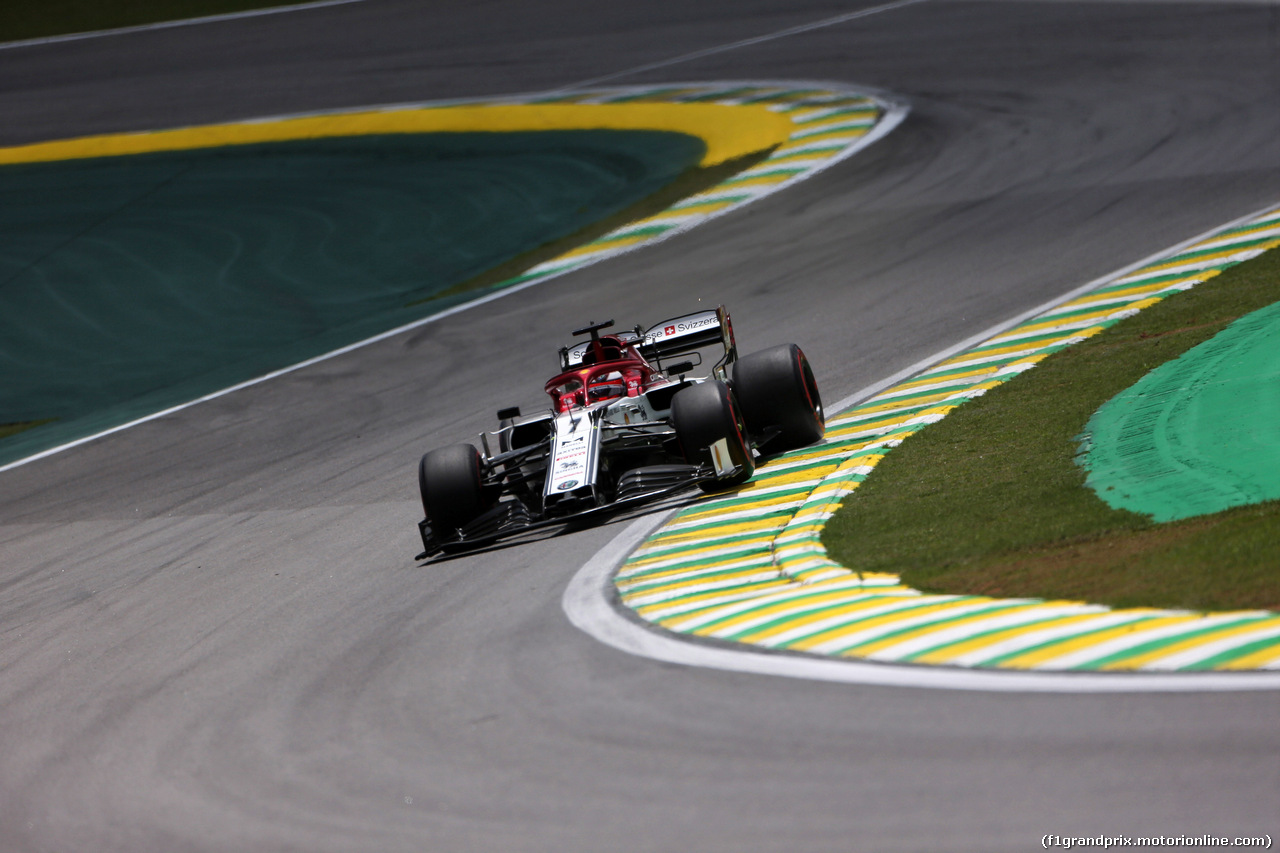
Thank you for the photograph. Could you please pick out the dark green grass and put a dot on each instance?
(991, 501)
(25, 19)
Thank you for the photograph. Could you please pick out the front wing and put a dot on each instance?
(510, 517)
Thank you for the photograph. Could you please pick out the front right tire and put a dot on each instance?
(452, 490)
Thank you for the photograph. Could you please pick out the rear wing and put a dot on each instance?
(678, 336)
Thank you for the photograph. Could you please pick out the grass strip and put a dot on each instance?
(28, 20)
(991, 501)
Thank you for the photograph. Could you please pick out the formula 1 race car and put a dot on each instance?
(626, 425)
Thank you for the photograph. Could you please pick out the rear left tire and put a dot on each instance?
(778, 394)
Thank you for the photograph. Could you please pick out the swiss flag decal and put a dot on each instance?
(669, 330)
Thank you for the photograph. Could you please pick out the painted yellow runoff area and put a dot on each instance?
(728, 131)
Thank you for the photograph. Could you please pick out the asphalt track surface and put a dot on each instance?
(212, 636)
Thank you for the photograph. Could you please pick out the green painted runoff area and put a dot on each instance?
(131, 284)
(1198, 434)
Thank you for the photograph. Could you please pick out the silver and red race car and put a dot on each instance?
(626, 425)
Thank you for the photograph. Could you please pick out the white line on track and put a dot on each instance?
(724, 48)
(165, 25)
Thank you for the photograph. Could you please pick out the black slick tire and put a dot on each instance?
(704, 414)
(777, 392)
(451, 487)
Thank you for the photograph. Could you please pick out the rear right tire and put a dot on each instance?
(778, 394)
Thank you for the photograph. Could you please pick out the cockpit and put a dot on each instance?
(609, 369)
